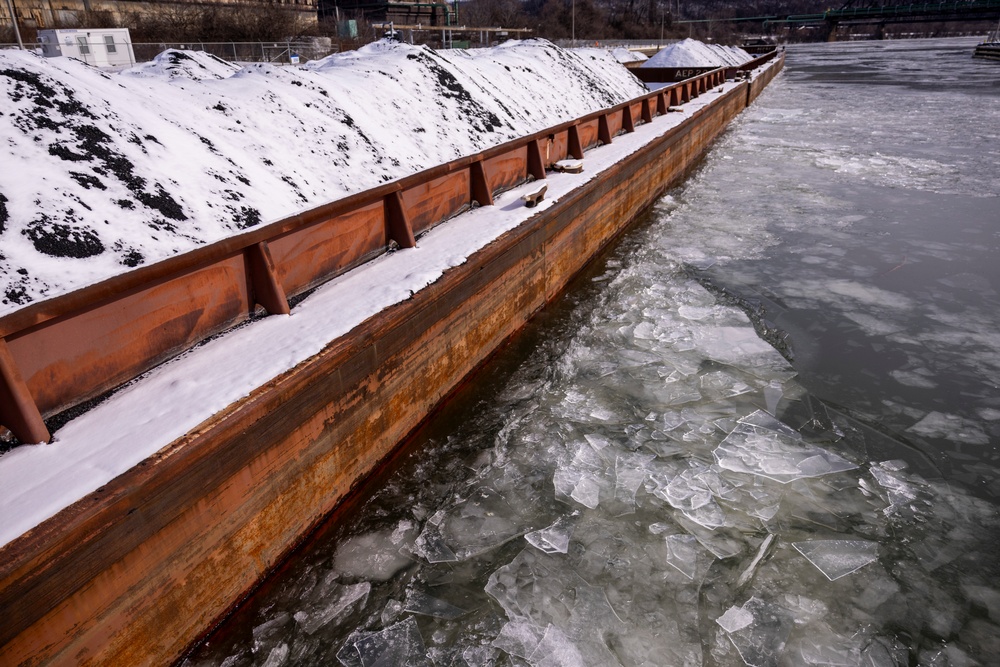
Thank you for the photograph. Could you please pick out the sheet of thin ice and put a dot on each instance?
(776, 453)
(838, 558)
(761, 641)
(399, 644)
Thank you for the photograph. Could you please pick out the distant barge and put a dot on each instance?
(989, 48)
(142, 568)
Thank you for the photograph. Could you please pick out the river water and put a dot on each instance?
(640, 479)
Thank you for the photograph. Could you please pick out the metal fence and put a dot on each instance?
(612, 43)
(287, 52)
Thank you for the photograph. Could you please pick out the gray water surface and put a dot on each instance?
(641, 479)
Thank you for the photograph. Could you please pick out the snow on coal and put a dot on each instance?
(104, 172)
(692, 53)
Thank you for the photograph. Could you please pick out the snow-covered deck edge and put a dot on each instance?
(60, 352)
(164, 411)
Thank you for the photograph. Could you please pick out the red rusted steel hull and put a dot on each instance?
(138, 570)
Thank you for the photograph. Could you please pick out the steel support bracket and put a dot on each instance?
(267, 290)
(480, 184)
(398, 226)
(18, 411)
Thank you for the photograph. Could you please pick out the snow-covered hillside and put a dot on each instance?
(103, 172)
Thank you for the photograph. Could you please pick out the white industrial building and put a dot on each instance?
(101, 47)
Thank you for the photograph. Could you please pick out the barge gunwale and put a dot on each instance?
(138, 570)
(58, 353)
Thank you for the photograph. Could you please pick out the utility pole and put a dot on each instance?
(661, 26)
(572, 20)
(13, 22)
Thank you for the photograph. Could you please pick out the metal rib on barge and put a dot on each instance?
(141, 568)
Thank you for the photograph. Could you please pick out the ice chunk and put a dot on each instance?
(277, 656)
(539, 588)
(478, 656)
(750, 569)
(341, 602)
(685, 491)
(768, 421)
(722, 542)
(984, 595)
(761, 641)
(838, 558)
(682, 554)
(519, 638)
(724, 385)
(828, 649)
(430, 544)
(735, 619)
(480, 523)
(885, 652)
(773, 393)
(554, 539)
(419, 602)
(630, 472)
(898, 491)
(556, 650)
(391, 612)
(951, 427)
(374, 556)
(804, 610)
(399, 644)
(775, 455)
(583, 487)
(710, 516)
(266, 633)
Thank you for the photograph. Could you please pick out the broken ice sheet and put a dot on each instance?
(775, 455)
(761, 640)
(682, 554)
(519, 638)
(768, 421)
(399, 644)
(723, 385)
(419, 602)
(582, 487)
(431, 545)
(735, 619)
(481, 522)
(630, 472)
(838, 558)
(821, 646)
(339, 602)
(556, 650)
(554, 539)
(375, 556)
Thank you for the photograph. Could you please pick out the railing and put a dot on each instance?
(63, 351)
(244, 52)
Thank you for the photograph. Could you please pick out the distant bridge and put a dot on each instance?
(972, 10)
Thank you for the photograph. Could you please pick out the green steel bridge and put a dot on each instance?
(971, 10)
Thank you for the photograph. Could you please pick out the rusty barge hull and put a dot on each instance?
(142, 568)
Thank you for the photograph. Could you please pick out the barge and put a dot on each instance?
(145, 565)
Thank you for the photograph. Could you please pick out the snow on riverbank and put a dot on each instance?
(105, 172)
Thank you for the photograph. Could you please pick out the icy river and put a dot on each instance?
(640, 479)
